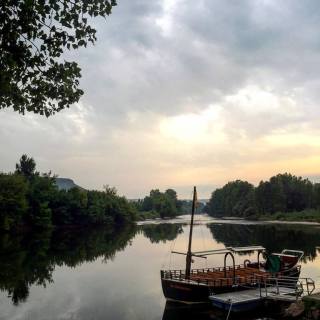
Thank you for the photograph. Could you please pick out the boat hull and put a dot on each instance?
(191, 293)
(184, 292)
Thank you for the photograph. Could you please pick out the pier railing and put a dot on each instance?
(286, 288)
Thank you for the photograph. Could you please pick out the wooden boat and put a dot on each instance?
(195, 285)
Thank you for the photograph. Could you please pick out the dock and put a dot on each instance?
(255, 295)
(284, 290)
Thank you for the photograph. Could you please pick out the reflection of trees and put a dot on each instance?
(274, 238)
(161, 232)
(30, 259)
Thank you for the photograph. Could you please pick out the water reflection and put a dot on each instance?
(161, 232)
(173, 311)
(114, 274)
(30, 259)
(273, 237)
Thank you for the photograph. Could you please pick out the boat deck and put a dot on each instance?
(243, 275)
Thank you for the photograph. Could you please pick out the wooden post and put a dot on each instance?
(189, 253)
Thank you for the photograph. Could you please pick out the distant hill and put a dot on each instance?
(66, 184)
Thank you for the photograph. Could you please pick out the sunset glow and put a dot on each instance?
(184, 97)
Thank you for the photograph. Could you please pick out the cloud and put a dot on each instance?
(179, 93)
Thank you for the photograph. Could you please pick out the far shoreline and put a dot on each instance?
(289, 222)
(230, 219)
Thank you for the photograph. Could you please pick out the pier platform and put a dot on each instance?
(246, 300)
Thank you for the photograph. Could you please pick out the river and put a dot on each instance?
(115, 274)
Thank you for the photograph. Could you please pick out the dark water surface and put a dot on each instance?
(115, 274)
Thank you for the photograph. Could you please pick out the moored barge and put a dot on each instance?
(195, 285)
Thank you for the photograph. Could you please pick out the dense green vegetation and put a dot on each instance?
(284, 194)
(164, 205)
(159, 204)
(34, 35)
(186, 207)
(30, 199)
(310, 215)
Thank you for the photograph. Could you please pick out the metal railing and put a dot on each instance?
(277, 287)
(211, 278)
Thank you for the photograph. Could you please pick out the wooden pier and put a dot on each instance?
(284, 290)
(273, 293)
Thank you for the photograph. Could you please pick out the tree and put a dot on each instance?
(33, 36)
(236, 198)
(284, 193)
(13, 204)
(42, 191)
(71, 207)
(166, 203)
(316, 196)
(172, 194)
(26, 166)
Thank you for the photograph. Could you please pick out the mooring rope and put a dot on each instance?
(227, 318)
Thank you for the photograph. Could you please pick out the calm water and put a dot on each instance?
(108, 274)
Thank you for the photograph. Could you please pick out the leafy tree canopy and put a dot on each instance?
(26, 166)
(282, 193)
(33, 36)
(166, 204)
(32, 199)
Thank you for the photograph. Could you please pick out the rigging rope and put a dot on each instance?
(168, 253)
(203, 238)
(172, 247)
(231, 302)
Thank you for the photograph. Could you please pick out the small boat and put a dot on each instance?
(195, 285)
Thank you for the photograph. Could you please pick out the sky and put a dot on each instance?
(181, 93)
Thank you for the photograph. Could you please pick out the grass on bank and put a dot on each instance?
(147, 215)
(308, 215)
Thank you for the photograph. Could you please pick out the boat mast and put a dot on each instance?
(189, 253)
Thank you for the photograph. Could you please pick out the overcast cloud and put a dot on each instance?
(181, 93)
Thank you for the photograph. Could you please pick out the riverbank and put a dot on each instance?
(206, 219)
(310, 215)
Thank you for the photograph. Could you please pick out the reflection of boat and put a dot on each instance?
(195, 285)
(175, 311)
